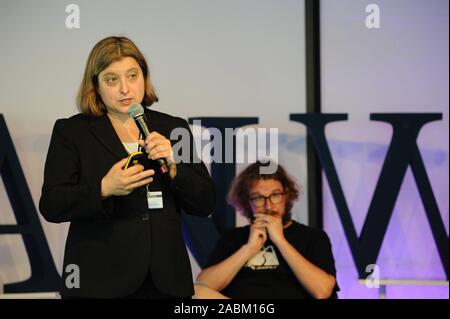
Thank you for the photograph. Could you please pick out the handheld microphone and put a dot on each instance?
(136, 111)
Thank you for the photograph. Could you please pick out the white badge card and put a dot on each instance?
(155, 200)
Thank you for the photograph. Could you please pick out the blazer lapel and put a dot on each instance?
(103, 130)
(153, 123)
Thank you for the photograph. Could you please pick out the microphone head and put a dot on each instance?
(135, 110)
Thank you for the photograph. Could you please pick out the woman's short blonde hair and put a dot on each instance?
(105, 52)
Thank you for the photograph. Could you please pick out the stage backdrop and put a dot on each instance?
(246, 59)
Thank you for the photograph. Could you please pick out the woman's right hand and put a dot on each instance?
(120, 182)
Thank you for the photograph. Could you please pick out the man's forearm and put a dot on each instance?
(218, 276)
(316, 281)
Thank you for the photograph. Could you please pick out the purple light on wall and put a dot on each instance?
(401, 67)
(408, 251)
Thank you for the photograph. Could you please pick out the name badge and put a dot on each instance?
(155, 200)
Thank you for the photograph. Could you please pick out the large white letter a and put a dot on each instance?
(73, 19)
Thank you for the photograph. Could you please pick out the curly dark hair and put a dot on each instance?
(239, 196)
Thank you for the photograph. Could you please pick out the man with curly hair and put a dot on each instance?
(274, 256)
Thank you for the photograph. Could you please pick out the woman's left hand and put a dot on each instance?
(157, 146)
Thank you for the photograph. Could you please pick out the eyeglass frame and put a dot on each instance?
(267, 198)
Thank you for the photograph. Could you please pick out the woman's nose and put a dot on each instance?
(124, 87)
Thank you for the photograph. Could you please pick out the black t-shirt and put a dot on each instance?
(268, 275)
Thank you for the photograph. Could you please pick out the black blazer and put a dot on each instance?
(115, 242)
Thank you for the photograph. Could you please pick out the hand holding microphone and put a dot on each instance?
(156, 145)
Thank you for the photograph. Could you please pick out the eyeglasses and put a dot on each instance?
(260, 201)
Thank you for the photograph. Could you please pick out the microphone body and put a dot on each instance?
(136, 111)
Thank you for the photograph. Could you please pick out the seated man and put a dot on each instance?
(274, 256)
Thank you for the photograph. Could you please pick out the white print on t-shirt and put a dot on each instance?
(266, 258)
